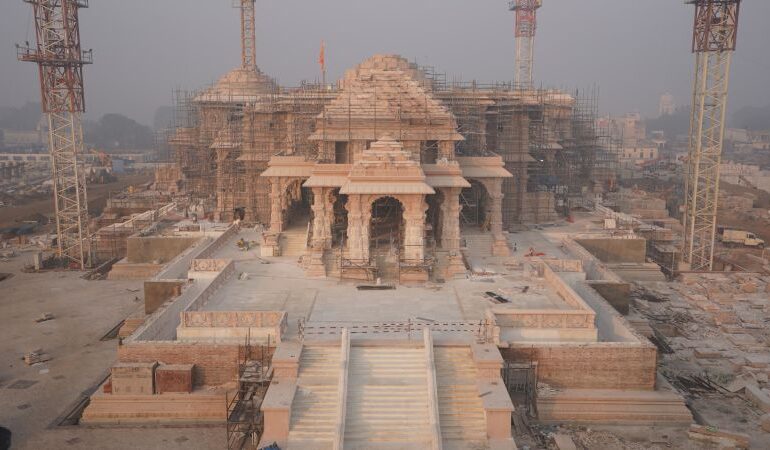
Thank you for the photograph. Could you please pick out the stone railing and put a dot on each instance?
(161, 324)
(232, 326)
(209, 265)
(213, 319)
(226, 269)
(218, 242)
(542, 319)
(567, 294)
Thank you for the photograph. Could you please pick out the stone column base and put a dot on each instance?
(413, 275)
(270, 245)
(455, 266)
(315, 267)
(500, 248)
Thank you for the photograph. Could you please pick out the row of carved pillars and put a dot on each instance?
(359, 209)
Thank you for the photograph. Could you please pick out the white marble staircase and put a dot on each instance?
(387, 399)
(315, 407)
(461, 412)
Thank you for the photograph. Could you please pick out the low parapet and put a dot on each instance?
(577, 323)
(232, 326)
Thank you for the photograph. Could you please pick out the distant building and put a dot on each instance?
(633, 155)
(24, 139)
(666, 105)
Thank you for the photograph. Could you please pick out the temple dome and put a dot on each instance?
(239, 86)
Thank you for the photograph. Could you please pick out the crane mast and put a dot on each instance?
(60, 63)
(526, 26)
(248, 33)
(715, 33)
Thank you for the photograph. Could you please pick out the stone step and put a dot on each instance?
(309, 443)
(401, 443)
(465, 444)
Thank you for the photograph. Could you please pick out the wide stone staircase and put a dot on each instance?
(461, 412)
(315, 406)
(293, 241)
(387, 399)
(477, 244)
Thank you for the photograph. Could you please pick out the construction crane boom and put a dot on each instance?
(526, 27)
(715, 33)
(60, 62)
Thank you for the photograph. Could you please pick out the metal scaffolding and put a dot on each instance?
(715, 33)
(60, 61)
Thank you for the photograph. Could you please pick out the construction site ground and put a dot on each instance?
(34, 399)
(42, 205)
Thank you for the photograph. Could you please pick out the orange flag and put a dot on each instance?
(322, 57)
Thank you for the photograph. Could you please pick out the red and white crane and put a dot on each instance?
(60, 62)
(526, 26)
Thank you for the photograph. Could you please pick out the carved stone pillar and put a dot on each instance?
(319, 219)
(316, 266)
(446, 149)
(414, 236)
(276, 205)
(495, 190)
(450, 232)
(329, 199)
(366, 225)
(450, 217)
(355, 250)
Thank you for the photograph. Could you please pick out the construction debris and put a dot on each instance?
(724, 439)
(45, 317)
(35, 357)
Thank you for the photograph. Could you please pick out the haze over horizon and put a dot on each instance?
(632, 51)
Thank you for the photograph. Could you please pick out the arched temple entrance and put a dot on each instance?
(386, 236)
(387, 224)
(475, 205)
(298, 203)
(339, 223)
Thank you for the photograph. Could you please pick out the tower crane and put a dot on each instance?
(714, 39)
(60, 62)
(526, 26)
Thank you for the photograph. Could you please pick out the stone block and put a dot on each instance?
(732, 329)
(759, 361)
(174, 378)
(707, 353)
(564, 442)
(725, 318)
(133, 378)
(758, 397)
(749, 287)
(745, 342)
(724, 439)
(764, 422)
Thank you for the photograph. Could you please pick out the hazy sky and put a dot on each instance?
(633, 50)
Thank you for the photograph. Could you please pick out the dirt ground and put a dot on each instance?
(97, 199)
(34, 398)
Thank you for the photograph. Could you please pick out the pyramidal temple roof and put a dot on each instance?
(388, 87)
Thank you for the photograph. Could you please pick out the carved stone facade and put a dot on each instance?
(385, 136)
(282, 157)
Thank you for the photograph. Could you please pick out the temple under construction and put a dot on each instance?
(392, 156)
